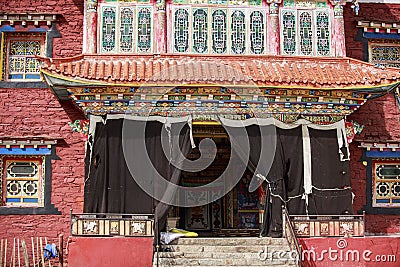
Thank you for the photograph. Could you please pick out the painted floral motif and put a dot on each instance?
(353, 128)
(80, 126)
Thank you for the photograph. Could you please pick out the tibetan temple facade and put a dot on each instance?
(300, 99)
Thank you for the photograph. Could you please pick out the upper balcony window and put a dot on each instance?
(218, 27)
(126, 27)
(305, 28)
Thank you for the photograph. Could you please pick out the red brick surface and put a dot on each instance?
(36, 112)
(70, 21)
(380, 116)
(368, 12)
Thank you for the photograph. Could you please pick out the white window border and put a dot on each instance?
(314, 11)
(118, 6)
(210, 8)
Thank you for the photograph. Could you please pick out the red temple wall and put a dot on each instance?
(37, 112)
(69, 23)
(380, 116)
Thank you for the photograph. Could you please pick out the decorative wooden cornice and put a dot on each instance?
(32, 142)
(380, 145)
(379, 27)
(27, 18)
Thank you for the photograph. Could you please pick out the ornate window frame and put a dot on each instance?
(113, 33)
(42, 155)
(380, 51)
(386, 183)
(20, 188)
(290, 16)
(375, 155)
(231, 32)
(17, 58)
(30, 25)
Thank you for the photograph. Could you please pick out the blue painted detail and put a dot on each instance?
(32, 76)
(382, 154)
(14, 200)
(131, 103)
(176, 90)
(355, 95)
(106, 103)
(7, 28)
(267, 92)
(287, 105)
(373, 35)
(132, 90)
(25, 151)
(395, 200)
(312, 92)
(108, 97)
(37, 30)
(15, 76)
(223, 90)
(87, 90)
(383, 201)
(30, 200)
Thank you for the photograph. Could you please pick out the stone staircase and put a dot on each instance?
(226, 251)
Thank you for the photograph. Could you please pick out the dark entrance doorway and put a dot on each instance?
(238, 212)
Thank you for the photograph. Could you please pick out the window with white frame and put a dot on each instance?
(218, 27)
(385, 53)
(386, 184)
(305, 28)
(126, 27)
(22, 181)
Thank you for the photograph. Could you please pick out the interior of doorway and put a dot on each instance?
(237, 213)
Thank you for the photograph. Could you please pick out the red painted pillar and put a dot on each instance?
(338, 32)
(160, 27)
(273, 28)
(90, 27)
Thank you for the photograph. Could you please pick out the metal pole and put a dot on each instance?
(283, 221)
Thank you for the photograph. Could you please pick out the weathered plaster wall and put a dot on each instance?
(70, 24)
(380, 116)
(36, 112)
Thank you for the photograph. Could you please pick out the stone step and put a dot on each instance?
(223, 255)
(225, 249)
(230, 241)
(237, 251)
(224, 262)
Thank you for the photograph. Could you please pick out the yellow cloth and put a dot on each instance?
(184, 232)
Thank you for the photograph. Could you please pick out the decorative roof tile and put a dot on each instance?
(299, 72)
